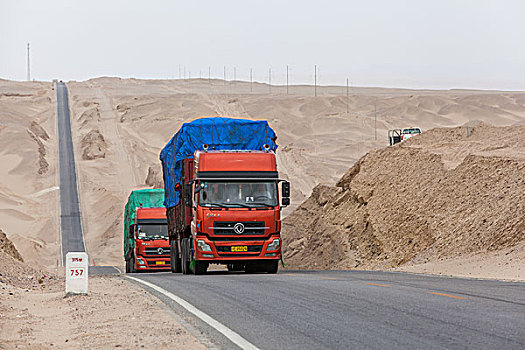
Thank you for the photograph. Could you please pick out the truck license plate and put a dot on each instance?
(160, 262)
(240, 248)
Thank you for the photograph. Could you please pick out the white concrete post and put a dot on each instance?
(76, 273)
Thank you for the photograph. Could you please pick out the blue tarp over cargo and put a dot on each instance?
(219, 134)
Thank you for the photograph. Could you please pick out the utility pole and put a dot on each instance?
(200, 74)
(347, 98)
(315, 80)
(251, 80)
(184, 73)
(224, 75)
(28, 65)
(375, 118)
(209, 74)
(287, 79)
(179, 72)
(269, 79)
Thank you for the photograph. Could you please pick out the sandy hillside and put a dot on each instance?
(439, 196)
(28, 174)
(120, 125)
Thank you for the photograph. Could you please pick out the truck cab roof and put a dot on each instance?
(221, 164)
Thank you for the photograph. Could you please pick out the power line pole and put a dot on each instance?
(347, 98)
(251, 80)
(315, 80)
(209, 74)
(179, 72)
(224, 75)
(269, 79)
(28, 65)
(287, 79)
(375, 118)
(234, 75)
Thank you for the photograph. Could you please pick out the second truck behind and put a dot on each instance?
(146, 245)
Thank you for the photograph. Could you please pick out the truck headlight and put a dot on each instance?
(203, 246)
(274, 245)
(140, 261)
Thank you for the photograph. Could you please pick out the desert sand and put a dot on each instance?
(120, 125)
(28, 170)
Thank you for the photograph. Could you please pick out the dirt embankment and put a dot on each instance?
(438, 196)
(115, 314)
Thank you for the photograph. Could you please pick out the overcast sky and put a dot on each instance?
(412, 43)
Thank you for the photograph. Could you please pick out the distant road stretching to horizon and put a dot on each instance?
(70, 220)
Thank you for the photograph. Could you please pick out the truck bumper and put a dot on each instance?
(223, 252)
(153, 264)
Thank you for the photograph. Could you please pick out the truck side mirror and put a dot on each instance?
(187, 194)
(285, 189)
(285, 201)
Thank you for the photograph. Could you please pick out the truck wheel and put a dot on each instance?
(185, 261)
(252, 268)
(272, 267)
(127, 266)
(175, 261)
(132, 264)
(200, 267)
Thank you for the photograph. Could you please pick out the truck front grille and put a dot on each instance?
(228, 227)
(155, 251)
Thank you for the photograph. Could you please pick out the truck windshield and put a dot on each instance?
(153, 231)
(411, 131)
(238, 194)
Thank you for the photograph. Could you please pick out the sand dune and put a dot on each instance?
(120, 125)
(318, 139)
(28, 154)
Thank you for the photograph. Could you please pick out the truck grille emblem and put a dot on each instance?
(160, 251)
(238, 228)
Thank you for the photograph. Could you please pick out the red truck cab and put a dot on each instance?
(235, 212)
(152, 248)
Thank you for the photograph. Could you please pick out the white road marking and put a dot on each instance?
(227, 332)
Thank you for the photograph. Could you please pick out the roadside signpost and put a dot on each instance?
(76, 273)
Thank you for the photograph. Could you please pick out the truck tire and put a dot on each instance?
(175, 260)
(185, 260)
(253, 268)
(200, 267)
(272, 267)
(132, 264)
(127, 266)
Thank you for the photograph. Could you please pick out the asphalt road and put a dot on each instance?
(353, 309)
(70, 219)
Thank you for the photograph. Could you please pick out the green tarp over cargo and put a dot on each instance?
(149, 198)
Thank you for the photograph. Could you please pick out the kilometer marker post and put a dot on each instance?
(76, 273)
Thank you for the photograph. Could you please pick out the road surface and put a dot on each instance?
(353, 309)
(70, 219)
